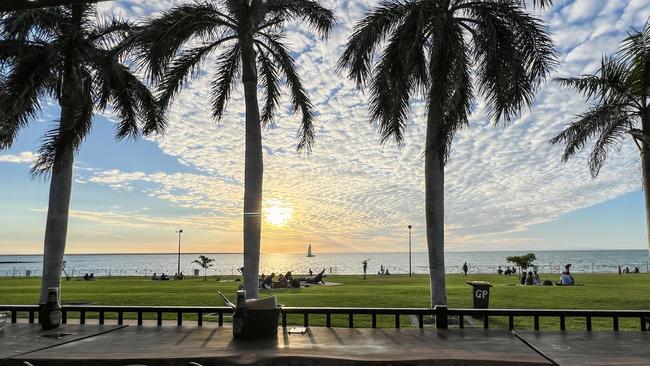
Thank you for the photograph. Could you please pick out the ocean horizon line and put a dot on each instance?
(355, 252)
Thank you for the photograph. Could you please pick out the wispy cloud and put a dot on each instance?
(26, 157)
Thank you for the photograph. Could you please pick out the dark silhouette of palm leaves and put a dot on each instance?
(34, 47)
(619, 91)
(174, 46)
(412, 48)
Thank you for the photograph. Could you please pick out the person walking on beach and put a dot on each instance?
(365, 268)
(465, 268)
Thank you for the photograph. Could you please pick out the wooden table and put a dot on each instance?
(18, 339)
(591, 348)
(319, 346)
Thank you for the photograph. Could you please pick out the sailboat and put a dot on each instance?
(309, 253)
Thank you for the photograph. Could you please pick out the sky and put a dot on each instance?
(505, 189)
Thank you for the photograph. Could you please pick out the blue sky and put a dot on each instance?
(506, 188)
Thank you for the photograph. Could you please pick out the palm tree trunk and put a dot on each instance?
(254, 170)
(434, 177)
(56, 227)
(645, 169)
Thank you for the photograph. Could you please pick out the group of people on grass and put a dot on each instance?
(383, 271)
(89, 277)
(530, 278)
(627, 270)
(508, 271)
(164, 277)
(287, 280)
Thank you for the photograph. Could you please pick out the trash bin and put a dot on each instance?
(480, 294)
(196, 272)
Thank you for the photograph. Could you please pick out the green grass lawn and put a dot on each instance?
(596, 291)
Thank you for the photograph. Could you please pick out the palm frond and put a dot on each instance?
(228, 68)
(610, 140)
(40, 24)
(70, 132)
(30, 79)
(318, 17)
(111, 32)
(610, 85)
(605, 122)
(270, 84)
(458, 92)
(132, 100)
(299, 99)
(159, 40)
(514, 55)
(182, 68)
(636, 45)
(368, 34)
(391, 88)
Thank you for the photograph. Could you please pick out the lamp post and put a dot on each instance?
(178, 271)
(410, 251)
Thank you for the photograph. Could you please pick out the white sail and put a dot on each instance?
(309, 253)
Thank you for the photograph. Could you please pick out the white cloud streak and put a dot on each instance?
(25, 157)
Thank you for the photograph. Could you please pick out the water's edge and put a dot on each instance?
(333, 263)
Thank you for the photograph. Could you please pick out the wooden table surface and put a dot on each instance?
(176, 345)
(591, 348)
(17, 339)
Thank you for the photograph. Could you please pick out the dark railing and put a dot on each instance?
(441, 314)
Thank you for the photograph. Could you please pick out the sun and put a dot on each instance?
(276, 213)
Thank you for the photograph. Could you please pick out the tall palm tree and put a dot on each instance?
(247, 37)
(68, 55)
(438, 50)
(620, 91)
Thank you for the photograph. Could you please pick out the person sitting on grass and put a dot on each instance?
(268, 281)
(529, 279)
(536, 279)
(86, 277)
(386, 273)
(636, 270)
(283, 282)
(164, 277)
(565, 280)
(522, 281)
(499, 271)
(91, 277)
(508, 272)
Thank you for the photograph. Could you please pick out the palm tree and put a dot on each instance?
(437, 49)
(67, 54)
(247, 37)
(620, 91)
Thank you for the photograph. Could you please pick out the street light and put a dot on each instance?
(178, 272)
(410, 251)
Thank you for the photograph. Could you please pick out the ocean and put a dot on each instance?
(333, 263)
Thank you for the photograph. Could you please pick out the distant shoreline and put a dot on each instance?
(394, 252)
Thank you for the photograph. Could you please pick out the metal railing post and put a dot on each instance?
(441, 316)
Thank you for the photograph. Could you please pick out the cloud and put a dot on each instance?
(26, 157)
(355, 193)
